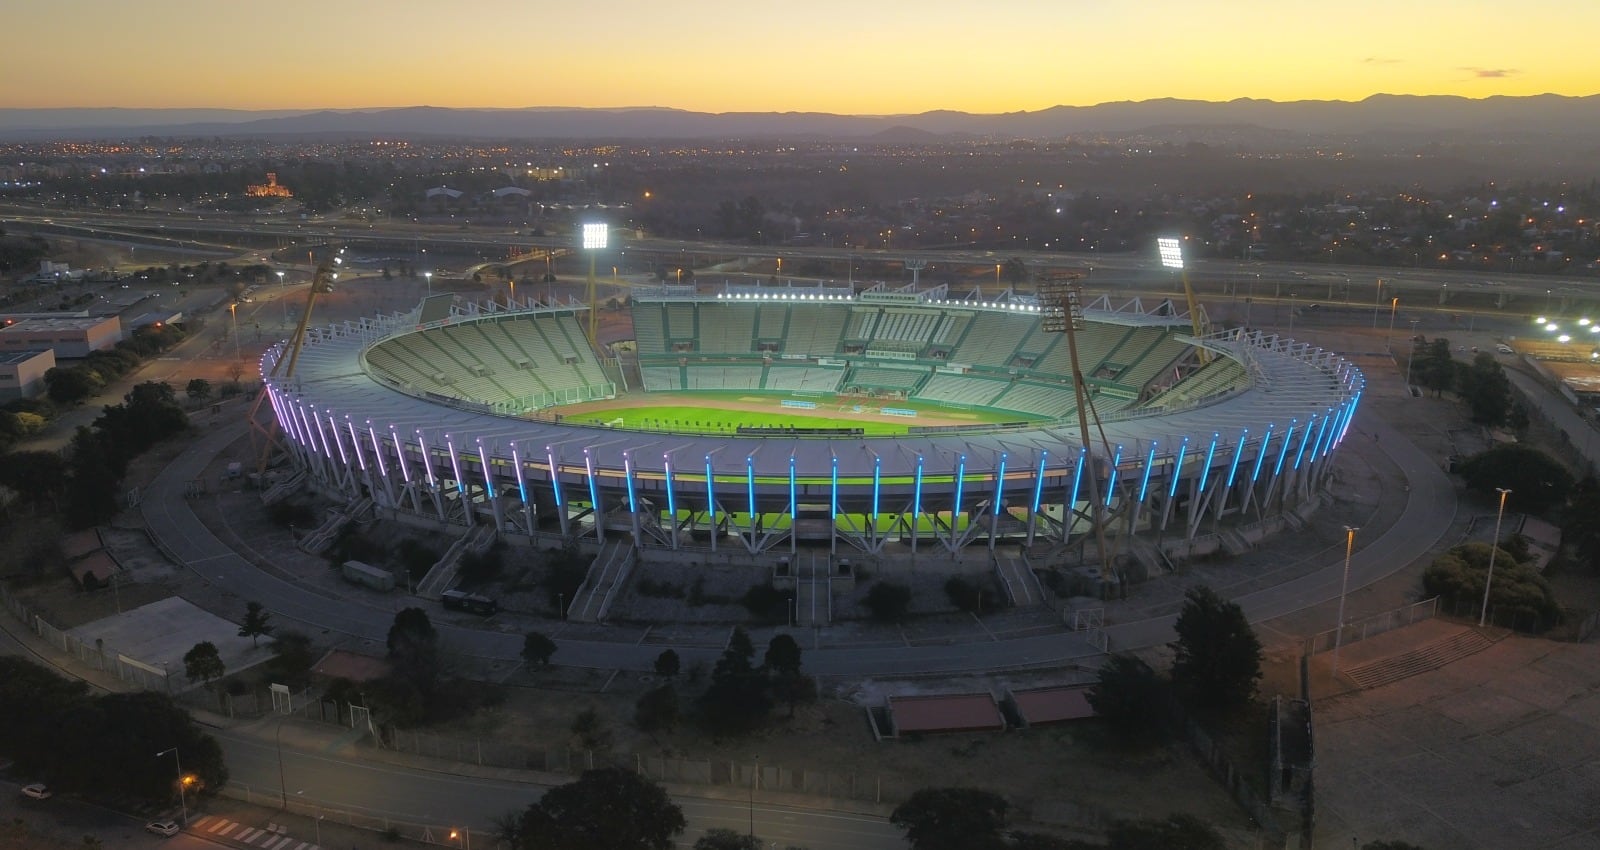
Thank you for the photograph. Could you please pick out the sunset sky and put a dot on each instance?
(855, 56)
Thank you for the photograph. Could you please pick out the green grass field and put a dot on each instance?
(703, 413)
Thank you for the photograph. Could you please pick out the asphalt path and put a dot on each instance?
(1427, 514)
(429, 797)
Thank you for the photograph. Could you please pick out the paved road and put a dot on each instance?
(422, 796)
(174, 525)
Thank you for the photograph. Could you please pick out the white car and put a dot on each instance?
(163, 827)
(36, 791)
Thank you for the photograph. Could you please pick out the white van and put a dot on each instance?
(1504, 349)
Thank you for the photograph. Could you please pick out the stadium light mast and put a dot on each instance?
(1061, 309)
(595, 235)
(1171, 249)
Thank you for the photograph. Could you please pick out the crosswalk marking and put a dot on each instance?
(230, 828)
(282, 842)
(218, 825)
(249, 835)
(203, 821)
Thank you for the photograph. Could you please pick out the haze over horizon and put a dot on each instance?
(850, 58)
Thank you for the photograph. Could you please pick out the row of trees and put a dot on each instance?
(71, 384)
(1482, 384)
(100, 745)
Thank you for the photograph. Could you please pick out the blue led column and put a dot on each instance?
(961, 480)
(1149, 463)
(1111, 480)
(633, 500)
(522, 489)
(455, 465)
(916, 505)
(400, 454)
(1304, 440)
(672, 502)
(594, 497)
(794, 505)
(750, 494)
(1070, 515)
(711, 503)
(488, 471)
(1038, 495)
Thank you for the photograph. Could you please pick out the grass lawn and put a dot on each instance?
(717, 413)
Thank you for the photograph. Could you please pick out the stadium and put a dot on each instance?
(764, 420)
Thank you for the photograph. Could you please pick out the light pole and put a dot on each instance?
(1394, 306)
(277, 737)
(754, 778)
(1344, 587)
(233, 315)
(1413, 355)
(183, 804)
(996, 275)
(1494, 546)
(429, 277)
(280, 278)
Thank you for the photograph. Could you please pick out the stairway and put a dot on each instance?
(1420, 660)
(1022, 587)
(606, 575)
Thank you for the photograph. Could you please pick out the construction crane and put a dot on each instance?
(266, 435)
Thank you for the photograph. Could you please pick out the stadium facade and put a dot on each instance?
(451, 417)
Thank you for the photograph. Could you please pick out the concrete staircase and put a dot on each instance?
(606, 576)
(1022, 586)
(443, 573)
(1420, 660)
(813, 607)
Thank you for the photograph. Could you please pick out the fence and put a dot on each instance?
(96, 654)
(1371, 626)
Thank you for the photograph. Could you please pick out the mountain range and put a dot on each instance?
(1553, 117)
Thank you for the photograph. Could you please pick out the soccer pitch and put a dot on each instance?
(726, 413)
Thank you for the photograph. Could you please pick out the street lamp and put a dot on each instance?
(182, 782)
(280, 278)
(1394, 306)
(462, 836)
(754, 779)
(1494, 546)
(233, 314)
(429, 277)
(1413, 355)
(997, 275)
(1344, 587)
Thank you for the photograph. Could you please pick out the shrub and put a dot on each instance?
(888, 602)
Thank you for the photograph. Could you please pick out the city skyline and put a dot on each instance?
(827, 56)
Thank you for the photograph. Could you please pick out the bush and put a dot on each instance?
(1516, 591)
(478, 569)
(970, 596)
(416, 558)
(888, 602)
(767, 604)
(287, 514)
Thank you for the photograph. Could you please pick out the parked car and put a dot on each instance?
(163, 827)
(36, 791)
(1503, 348)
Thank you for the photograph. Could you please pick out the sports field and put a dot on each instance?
(726, 412)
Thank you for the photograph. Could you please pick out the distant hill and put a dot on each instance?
(1555, 117)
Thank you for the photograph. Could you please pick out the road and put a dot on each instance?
(420, 796)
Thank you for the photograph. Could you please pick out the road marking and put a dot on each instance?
(231, 827)
(218, 825)
(249, 835)
(281, 842)
(203, 821)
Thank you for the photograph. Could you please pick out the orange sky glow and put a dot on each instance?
(862, 57)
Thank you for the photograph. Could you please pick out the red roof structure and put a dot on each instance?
(945, 713)
(1043, 706)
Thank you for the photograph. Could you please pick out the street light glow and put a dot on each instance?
(1171, 252)
(594, 236)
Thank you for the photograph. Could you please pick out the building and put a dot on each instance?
(68, 336)
(22, 373)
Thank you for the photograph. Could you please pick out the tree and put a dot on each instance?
(783, 656)
(726, 839)
(609, 807)
(1537, 481)
(888, 602)
(1016, 271)
(202, 663)
(667, 663)
(656, 709)
(66, 385)
(1218, 657)
(1131, 699)
(1486, 390)
(198, 389)
(1518, 591)
(537, 649)
(737, 697)
(952, 819)
(255, 622)
(414, 649)
(1432, 366)
(411, 634)
(1176, 832)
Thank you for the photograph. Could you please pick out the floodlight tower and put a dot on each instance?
(594, 241)
(1061, 306)
(1171, 249)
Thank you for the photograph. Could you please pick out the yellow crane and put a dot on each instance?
(266, 435)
